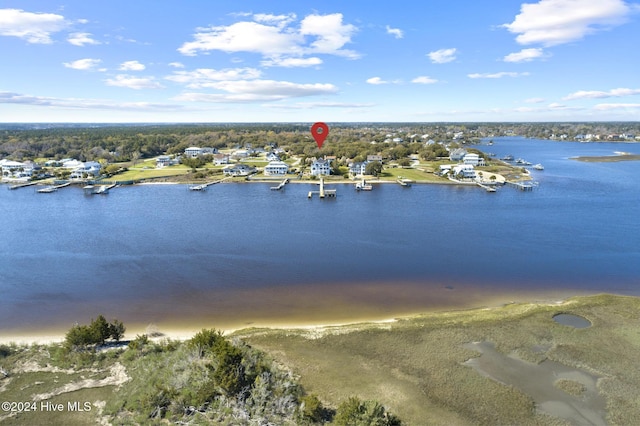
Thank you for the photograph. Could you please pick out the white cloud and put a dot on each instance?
(81, 39)
(131, 82)
(75, 103)
(534, 100)
(525, 55)
(376, 80)
(553, 22)
(84, 64)
(258, 90)
(424, 80)
(32, 27)
(595, 94)
(610, 107)
(176, 64)
(131, 66)
(207, 77)
(498, 75)
(274, 37)
(442, 56)
(396, 32)
(291, 62)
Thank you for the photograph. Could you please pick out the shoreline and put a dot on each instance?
(184, 331)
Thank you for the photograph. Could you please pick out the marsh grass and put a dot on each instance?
(415, 366)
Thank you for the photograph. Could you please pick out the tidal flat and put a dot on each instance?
(451, 368)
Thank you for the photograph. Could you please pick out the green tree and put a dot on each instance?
(373, 168)
(101, 329)
(116, 330)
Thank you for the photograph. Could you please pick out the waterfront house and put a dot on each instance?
(239, 170)
(358, 169)
(464, 170)
(321, 167)
(86, 170)
(276, 168)
(457, 154)
(473, 159)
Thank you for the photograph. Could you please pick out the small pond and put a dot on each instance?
(572, 320)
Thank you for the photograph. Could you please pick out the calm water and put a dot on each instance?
(240, 253)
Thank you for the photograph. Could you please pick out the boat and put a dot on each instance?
(47, 190)
(538, 166)
(363, 186)
(507, 158)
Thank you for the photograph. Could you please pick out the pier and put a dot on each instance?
(53, 188)
(282, 184)
(22, 185)
(486, 187)
(404, 182)
(99, 190)
(522, 186)
(203, 187)
(322, 193)
(363, 186)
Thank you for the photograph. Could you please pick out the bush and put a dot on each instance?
(354, 412)
(81, 336)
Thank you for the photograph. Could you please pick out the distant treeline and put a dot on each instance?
(120, 143)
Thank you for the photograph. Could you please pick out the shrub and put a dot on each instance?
(354, 412)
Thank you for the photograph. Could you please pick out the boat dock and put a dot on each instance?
(404, 182)
(282, 184)
(486, 187)
(53, 188)
(22, 185)
(100, 190)
(522, 186)
(322, 193)
(363, 186)
(203, 187)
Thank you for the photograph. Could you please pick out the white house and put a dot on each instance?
(276, 168)
(473, 159)
(16, 169)
(219, 159)
(321, 167)
(193, 152)
(464, 170)
(358, 169)
(239, 170)
(165, 160)
(272, 156)
(88, 169)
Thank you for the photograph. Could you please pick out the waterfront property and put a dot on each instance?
(239, 170)
(358, 169)
(321, 167)
(276, 168)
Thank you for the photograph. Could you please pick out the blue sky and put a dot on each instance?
(305, 61)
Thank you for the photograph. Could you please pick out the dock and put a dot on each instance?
(204, 186)
(98, 190)
(486, 187)
(363, 186)
(281, 185)
(322, 193)
(404, 182)
(22, 185)
(53, 188)
(522, 186)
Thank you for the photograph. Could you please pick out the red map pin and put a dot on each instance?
(319, 131)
